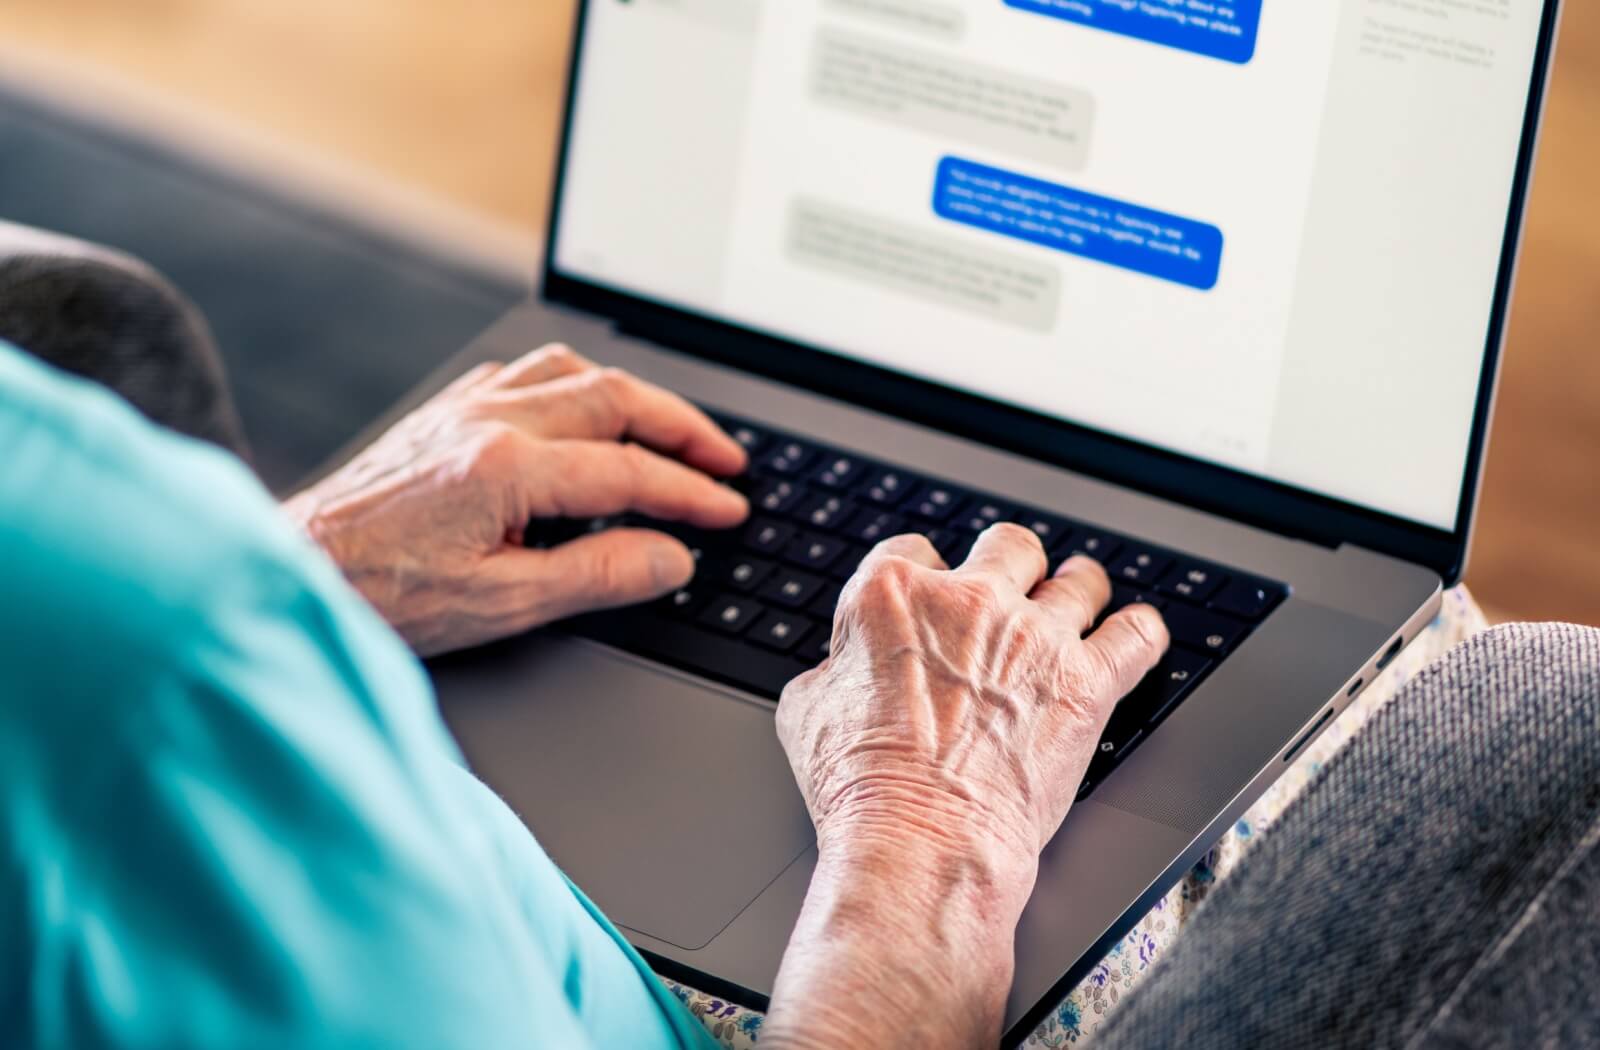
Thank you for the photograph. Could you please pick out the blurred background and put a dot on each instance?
(458, 103)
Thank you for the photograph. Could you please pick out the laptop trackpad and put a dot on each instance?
(669, 802)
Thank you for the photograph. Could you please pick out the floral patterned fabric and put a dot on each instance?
(1087, 1006)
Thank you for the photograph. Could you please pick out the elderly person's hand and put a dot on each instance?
(938, 750)
(428, 522)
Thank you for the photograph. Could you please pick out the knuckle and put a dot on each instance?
(886, 579)
(1147, 631)
(1017, 535)
(499, 448)
(613, 381)
(607, 388)
(560, 354)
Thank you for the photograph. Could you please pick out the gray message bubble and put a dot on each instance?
(977, 105)
(924, 17)
(934, 267)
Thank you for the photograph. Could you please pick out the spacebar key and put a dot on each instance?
(690, 648)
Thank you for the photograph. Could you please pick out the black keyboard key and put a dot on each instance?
(1247, 599)
(731, 615)
(703, 545)
(750, 438)
(983, 514)
(1052, 531)
(743, 573)
(810, 551)
(777, 497)
(848, 562)
(1192, 582)
(746, 485)
(1172, 680)
(1204, 631)
(826, 603)
(1140, 566)
(689, 646)
(828, 513)
(1123, 730)
(791, 588)
(872, 527)
(683, 604)
(781, 632)
(1124, 596)
(1097, 545)
(704, 554)
(788, 459)
(888, 488)
(840, 472)
(935, 503)
(1100, 767)
(765, 536)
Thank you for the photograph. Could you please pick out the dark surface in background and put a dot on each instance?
(323, 323)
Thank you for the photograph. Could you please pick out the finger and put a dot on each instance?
(1010, 552)
(1125, 648)
(1077, 593)
(608, 405)
(583, 479)
(912, 547)
(605, 570)
(548, 363)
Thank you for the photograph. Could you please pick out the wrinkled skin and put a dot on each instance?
(427, 523)
(961, 695)
(938, 749)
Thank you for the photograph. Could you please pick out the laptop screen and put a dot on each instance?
(1259, 233)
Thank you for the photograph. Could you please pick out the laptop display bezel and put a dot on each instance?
(1248, 498)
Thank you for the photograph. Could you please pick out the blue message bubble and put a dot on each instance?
(1099, 228)
(1224, 29)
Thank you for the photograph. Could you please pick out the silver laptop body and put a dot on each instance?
(664, 794)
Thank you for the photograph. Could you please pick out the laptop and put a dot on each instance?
(1212, 292)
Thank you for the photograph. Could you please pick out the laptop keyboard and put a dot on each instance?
(760, 608)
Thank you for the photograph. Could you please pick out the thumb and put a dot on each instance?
(601, 571)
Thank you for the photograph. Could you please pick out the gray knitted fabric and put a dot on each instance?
(1438, 886)
(103, 316)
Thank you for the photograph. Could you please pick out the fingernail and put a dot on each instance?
(672, 566)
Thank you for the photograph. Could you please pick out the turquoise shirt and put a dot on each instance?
(229, 812)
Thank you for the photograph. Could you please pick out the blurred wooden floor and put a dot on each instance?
(461, 99)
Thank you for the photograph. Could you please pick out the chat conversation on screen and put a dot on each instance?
(1224, 29)
(931, 18)
(1107, 231)
(892, 255)
(930, 91)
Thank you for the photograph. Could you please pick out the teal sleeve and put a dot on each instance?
(230, 813)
